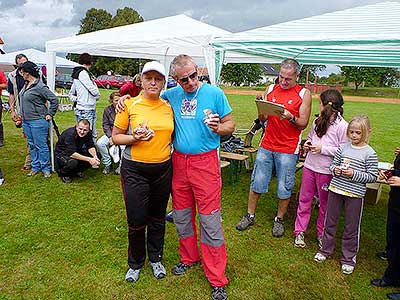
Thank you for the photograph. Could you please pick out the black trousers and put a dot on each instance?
(67, 167)
(146, 189)
(392, 272)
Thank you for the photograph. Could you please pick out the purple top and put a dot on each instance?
(330, 141)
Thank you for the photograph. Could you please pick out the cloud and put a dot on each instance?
(31, 24)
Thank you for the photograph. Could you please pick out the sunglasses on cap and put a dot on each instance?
(185, 80)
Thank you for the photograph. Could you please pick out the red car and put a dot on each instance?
(111, 81)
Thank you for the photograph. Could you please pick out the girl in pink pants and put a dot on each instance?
(327, 133)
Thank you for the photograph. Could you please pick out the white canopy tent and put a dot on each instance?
(362, 36)
(160, 39)
(36, 56)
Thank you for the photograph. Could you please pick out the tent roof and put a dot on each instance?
(153, 39)
(367, 35)
(36, 56)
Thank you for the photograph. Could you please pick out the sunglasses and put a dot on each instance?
(185, 80)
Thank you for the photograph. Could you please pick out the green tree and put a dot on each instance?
(98, 19)
(371, 76)
(95, 19)
(311, 70)
(241, 74)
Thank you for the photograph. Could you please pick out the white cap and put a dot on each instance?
(153, 66)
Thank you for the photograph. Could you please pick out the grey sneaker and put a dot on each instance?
(299, 240)
(117, 171)
(132, 275)
(218, 293)
(181, 268)
(347, 269)
(158, 270)
(245, 222)
(278, 229)
(107, 170)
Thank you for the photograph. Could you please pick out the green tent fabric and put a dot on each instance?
(362, 36)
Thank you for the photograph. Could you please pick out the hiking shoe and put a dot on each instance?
(117, 171)
(278, 229)
(107, 170)
(181, 268)
(66, 179)
(32, 173)
(46, 174)
(245, 222)
(299, 240)
(319, 257)
(319, 240)
(382, 255)
(132, 275)
(218, 293)
(347, 269)
(158, 270)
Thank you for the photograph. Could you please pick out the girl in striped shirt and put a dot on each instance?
(354, 165)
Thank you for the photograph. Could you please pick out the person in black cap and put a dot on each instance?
(36, 116)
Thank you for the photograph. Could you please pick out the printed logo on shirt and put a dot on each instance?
(290, 101)
(188, 108)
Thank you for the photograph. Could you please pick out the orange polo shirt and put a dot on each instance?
(159, 117)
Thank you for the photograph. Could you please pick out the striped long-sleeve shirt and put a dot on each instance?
(364, 162)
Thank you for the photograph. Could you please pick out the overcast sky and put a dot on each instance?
(30, 23)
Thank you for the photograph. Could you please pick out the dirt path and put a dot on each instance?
(346, 98)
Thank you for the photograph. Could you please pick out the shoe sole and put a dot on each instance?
(243, 229)
(299, 245)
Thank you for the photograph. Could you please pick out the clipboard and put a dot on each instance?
(269, 108)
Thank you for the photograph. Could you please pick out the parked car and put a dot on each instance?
(111, 81)
(63, 81)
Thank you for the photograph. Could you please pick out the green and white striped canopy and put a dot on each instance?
(362, 36)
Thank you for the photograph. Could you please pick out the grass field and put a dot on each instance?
(60, 241)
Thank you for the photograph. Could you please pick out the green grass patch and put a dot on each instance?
(60, 241)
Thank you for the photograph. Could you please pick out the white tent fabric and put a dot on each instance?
(36, 56)
(363, 36)
(160, 39)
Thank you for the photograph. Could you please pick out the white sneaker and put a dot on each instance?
(2, 181)
(319, 257)
(158, 270)
(299, 240)
(132, 275)
(347, 269)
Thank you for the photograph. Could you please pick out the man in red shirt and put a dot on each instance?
(131, 88)
(3, 85)
(280, 144)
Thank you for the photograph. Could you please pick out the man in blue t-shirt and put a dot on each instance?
(201, 114)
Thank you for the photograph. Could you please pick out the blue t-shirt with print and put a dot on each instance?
(192, 135)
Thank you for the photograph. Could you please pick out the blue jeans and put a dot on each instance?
(37, 132)
(89, 115)
(285, 167)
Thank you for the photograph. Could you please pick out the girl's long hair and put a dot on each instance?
(332, 100)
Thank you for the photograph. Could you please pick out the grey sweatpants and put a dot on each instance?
(351, 235)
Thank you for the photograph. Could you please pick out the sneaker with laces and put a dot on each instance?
(132, 275)
(218, 293)
(319, 240)
(158, 270)
(299, 240)
(347, 269)
(319, 257)
(107, 170)
(46, 174)
(278, 229)
(181, 268)
(245, 222)
(66, 179)
(117, 171)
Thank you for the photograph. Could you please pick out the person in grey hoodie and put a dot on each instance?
(84, 92)
(36, 116)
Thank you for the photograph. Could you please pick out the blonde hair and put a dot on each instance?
(136, 77)
(182, 60)
(365, 125)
